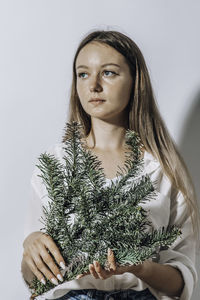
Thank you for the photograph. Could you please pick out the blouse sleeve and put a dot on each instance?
(182, 254)
(39, 195)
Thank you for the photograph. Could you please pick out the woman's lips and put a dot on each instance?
(97, 100)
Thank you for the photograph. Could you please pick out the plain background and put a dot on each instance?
(38, 40)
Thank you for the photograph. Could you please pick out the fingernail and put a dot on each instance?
(43, 281)
(62, 265)
(54, 281)
(59, 277)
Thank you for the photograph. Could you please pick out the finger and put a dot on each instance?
(35, 271)
(103, 274)
(82, 275)
(32, 253)
(42, 267)
(46, 257)
(111, 260)
(49, 243)
(92, 271)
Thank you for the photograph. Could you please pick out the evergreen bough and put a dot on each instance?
(103, 216)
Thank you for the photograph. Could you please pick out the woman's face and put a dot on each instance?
(103, 73)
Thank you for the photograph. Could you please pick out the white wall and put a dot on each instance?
(38, 40)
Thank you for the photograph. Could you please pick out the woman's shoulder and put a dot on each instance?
(153, 168)
(57, 150)
(151, 164)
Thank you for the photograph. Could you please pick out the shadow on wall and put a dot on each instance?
(189, 144)
(189, 147)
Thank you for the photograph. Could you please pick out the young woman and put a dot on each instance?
(111, 92)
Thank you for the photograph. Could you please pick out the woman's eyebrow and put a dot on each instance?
(108, 64)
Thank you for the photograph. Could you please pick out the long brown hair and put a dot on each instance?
(143, 116)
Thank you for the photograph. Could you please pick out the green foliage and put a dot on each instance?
(103, 216)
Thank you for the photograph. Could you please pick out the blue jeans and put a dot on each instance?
(108, 295)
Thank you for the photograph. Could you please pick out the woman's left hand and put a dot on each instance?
(98, 272)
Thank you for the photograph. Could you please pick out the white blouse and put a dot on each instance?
(168, 208)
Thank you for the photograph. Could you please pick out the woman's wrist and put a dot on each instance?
(143, 269)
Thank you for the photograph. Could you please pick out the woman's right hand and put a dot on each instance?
(37, 257)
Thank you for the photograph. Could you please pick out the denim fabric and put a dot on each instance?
(105, 295)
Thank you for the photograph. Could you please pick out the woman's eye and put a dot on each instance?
(82, 75)
(109, 72)
(106, 73)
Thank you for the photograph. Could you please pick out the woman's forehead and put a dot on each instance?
(99, 53)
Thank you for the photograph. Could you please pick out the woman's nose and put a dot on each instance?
(95, 84)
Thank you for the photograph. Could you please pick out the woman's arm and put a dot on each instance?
(163, 278)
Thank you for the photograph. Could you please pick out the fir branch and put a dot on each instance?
(85, 218)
